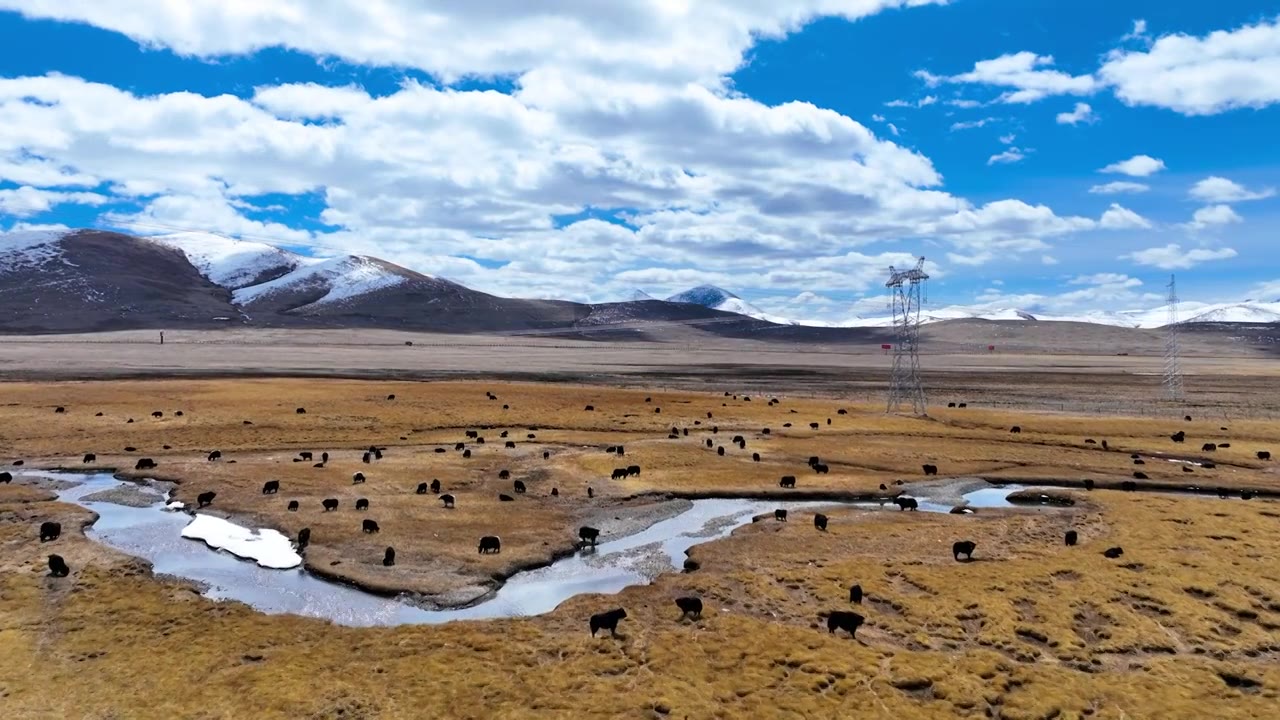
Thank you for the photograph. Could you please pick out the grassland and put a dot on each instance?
(1183, 625)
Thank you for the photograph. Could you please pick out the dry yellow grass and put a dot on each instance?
(1033, 629)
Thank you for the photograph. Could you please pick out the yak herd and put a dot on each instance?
(690, 607)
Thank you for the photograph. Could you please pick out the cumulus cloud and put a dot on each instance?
(1224, 70)
(1136, 166)
(27, 201)
(1105, 279)
(1213, 215)
(1118, 217)
(1174, 257)
(1027, 77)
(1216, 189)
(1119, 187)
(972, 124)
(1008, 157)
(925, 101)
(1082, 113)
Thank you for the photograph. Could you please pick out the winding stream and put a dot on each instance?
(154, 534)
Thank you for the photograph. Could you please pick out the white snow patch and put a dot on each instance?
(341, 278)
(175, 505)
(28, 248)
(230, 263)
(268, 548)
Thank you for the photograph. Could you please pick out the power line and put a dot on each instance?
(904, 382)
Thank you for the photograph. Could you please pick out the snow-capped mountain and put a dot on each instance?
(328, 281)
(233, 264)
(710, 296)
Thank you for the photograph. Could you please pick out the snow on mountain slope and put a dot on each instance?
(725, 301)
(339, 278)
(28, 248)
(233, 264)
(1240, 313)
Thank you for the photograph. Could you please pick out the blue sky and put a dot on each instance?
(582, 151)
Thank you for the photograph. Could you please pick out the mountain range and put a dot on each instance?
(93, 280)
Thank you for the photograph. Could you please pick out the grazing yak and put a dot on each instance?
(90, 457)
(519, 486)
(50, 531)
(435, 487)
(1140, 476)
(357, 478)
(814, 460)
(271, 487)
(1179, 436)
(844, 620)
(366, 459)
(58, 566)
(157, 414)
(755, 457)
(689, 607)
(389, 557)
(6, 478)
(963, 547)
(1088, 484)
(820, 521)
(1113, 553)
(780, 515)
(633, 470)
(1072, 538)
(510, 445)
(503, 497)
(301, 411)
(304, 538)
(217, 455)
(1208, 447)
(906, 503)
(590, 492)
(490, 544)
(813, 426)
(293, 506)
(466, 453)
(855, 594)
(330, 504)
(324, 457)
(619, 473)
(821, 469)
(369, 526)
(205, 498)
(142, 464)
(422, 489)
(787, 481)
(555, 492)
(362, 504)
(1246, 494)
(710, 443)
(588, 536)
(930, 469)
(546, 454)
(607, 621)
(1264, 455)
(720, 451)
(59, 409)
(447, 500)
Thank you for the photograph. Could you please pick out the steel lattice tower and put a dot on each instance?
(1172, 349)
(905, 387)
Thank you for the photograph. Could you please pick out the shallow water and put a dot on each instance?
(155, 535)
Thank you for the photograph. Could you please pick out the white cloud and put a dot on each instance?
(27, 201)
(1174, 257)
(1048, 260)
(1082, 113)
(1214, 215)
(1008, 139)
(1105, 279)
(1118, 217)
(972, 124)
(1008, 157)
(1027, 75)
(1136, 166)
(925, 101)
(1216, 189)
(964, 104)
(877, 118)
(1139, 31)
(628, 40)
(1119, 187)
(1224, 70)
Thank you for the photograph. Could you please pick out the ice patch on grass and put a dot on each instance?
(268, 548)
